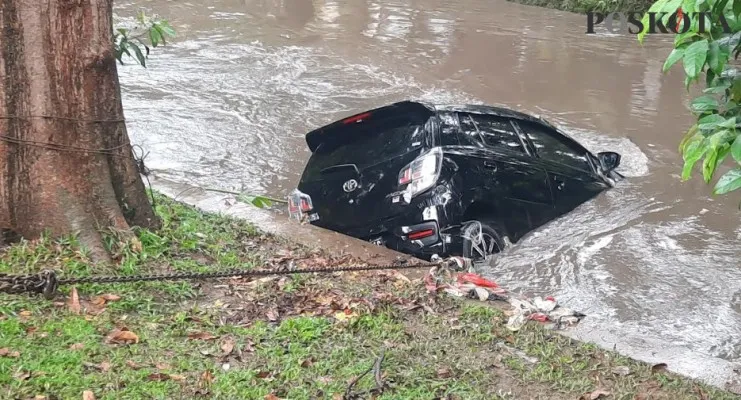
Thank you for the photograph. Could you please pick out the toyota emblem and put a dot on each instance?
(350, 185)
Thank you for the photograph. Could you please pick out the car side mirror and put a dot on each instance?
(609, 160)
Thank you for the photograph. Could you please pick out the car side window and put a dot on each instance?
(553, 147)
(448, 129)
(496, 132)
(469, 133)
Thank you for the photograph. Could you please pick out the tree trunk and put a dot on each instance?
(66, 163)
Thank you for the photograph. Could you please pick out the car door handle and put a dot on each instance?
(490, 165)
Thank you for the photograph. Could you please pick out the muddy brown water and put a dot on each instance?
(655, 262)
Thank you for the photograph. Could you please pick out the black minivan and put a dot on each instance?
(448, 180)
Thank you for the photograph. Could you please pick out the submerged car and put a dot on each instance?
(428, 179)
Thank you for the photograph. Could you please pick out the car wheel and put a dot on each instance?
(481, 240)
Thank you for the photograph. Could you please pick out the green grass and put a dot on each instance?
(301, 337)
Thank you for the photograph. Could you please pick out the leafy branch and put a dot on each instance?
(706, 49)
(150, 31)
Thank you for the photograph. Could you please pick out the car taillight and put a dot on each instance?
(421, 234)
(422, 173)
(299, 204)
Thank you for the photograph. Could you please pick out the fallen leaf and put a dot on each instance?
(111, 297)
(201, 336)
(272, 316)
(621, 370)
(207, 377)
(122, 336)
(659, 367)
(345, 316)
(444, 373)
(338, 396)
(22, 375)
(88, 395)
(598, 394)
(162, 366)
(227, 346)
(271, 397)
(132, 364)
(39, 397)
(6, 352)
(136, 245)
(74, 301)
(25, 313)
(97, 301)
(77, 346)
(308, 362)
(262, 375)
(31, 329)
(158, 376)
(177, 377)
(104, 366)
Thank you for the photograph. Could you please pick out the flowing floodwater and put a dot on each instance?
(655, 263)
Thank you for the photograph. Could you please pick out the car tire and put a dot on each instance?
(474, 232)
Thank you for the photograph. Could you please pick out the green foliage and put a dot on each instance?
(716, 134)
(149, 31)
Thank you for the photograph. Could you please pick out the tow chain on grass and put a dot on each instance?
(46, 282)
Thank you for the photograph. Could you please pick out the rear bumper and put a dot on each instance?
(408, 232)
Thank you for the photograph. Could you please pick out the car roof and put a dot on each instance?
(314, 137)
(492, 110)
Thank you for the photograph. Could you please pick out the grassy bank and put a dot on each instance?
(299, 337)
(584, 6)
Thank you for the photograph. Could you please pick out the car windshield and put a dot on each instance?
(367, 143)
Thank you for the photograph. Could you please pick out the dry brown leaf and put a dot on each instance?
(262, 375)
(177, 377)
(133, 365)
(207, 377)
(271, 396)
(621, 370)
(308, 362)
(77, 346)
(201, 336)
(158, 376)
(122, 336)
(162, 366)
(74, 301)
(97, 301)
(227, 346)
(111, 297)
(337, 396)
(104, 366)
(6, 352)
(88, 395)
(136, 245)
(31, 329)
(39, 397)
(25, 313)
(598, 394)
(272, 315)
(444, 373)
(22, 375)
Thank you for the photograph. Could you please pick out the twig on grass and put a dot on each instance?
(380, 386)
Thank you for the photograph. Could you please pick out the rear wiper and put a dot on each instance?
(338, 167)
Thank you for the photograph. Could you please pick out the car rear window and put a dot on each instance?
(367, 143)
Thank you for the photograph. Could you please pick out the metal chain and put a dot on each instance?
(46, 282)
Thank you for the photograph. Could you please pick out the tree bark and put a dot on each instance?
(66, 163)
